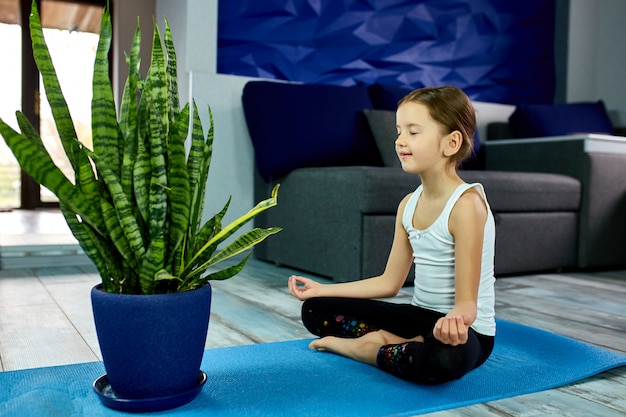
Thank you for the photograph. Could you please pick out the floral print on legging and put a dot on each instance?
(394, 359)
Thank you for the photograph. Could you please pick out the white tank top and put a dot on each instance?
(433, 253)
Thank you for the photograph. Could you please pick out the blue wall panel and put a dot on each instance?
(496, 50)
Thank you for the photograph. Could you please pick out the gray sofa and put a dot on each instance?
(339, 221)
(542, 138)
(338, 217)
(599, 163)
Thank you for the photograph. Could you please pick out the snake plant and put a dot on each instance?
(135, 204)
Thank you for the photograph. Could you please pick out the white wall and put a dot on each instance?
(581, 54)
(125, 14)
(597, 53)
(611, 54)
(194, 29)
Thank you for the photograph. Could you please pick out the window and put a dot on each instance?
(71, 30)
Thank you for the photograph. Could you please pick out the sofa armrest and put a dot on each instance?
(599, 163)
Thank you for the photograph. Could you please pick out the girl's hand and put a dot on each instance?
(451, 330)
(303, 288)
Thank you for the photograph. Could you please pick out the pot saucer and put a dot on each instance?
(102, 387)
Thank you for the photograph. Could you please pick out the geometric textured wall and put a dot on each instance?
(496, 50)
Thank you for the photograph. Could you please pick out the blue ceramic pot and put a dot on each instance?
(152, 345)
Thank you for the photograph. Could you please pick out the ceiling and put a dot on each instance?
(62, 15)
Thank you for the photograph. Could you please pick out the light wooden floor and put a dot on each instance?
(46, 319)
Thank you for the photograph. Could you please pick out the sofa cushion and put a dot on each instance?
(383, 126)
(386, 97)
(382, 123)
(539, 120)
(499, 130)
(304, 125)
(528, 192)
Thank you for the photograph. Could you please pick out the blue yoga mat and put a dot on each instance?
(286, 379)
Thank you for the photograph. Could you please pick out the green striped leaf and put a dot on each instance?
(198, 254)
(157, 198)
(142, 172)
(128, 108)
(29, 131)
(198, 163)
(60, 111)
(129, 114)
(225, 273)
(172, 73)
(116, 234)
(243, 243)
(235, 225)
(153, 262)
(107, 138)
(84, 176)
(192, 268)
(180, 191)
(123, 211)
(90, 187)
(96, 249)
(212, 227)
(155, 94)
(156, 90)
(37, 163)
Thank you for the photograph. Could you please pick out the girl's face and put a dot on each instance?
(419, 144)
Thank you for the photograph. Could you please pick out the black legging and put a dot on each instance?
(428, 362)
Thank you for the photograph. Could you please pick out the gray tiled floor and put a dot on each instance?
(37, 238)
(30, 228)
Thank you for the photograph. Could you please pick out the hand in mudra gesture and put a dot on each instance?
(303, 288)
(451, 330)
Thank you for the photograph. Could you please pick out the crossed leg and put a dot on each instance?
(363, 349)
(384, 335)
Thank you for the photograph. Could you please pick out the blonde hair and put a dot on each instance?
(452, 110)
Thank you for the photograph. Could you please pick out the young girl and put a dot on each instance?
(446, 228)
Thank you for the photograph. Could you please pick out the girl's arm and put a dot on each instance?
(386, 285)
(467, 225)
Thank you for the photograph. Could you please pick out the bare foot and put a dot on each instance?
(364, 348)
(324, 344)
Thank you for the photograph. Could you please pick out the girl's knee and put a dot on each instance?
(311, 317)
(400, 359)
(414, 361)
(322, 317)
(443, 365)
(319, 317)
